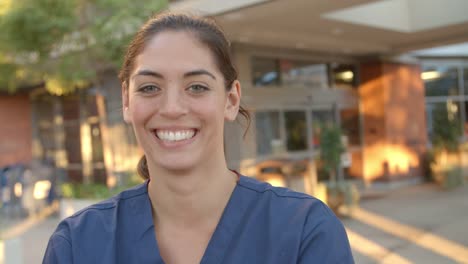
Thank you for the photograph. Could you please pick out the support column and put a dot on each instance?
(394, 125)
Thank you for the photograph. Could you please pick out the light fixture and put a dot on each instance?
(430, 75)
(345, 76)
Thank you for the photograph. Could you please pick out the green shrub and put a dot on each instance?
(94, 190)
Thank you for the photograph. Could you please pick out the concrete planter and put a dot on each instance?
(342, 197)
(70, 206)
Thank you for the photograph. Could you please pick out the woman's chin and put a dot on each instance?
(177, 166)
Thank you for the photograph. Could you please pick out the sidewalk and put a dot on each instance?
(418, 224)
(25, 240)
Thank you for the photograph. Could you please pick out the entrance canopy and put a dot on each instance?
(351, 27)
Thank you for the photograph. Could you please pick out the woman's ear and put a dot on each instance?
(233, 101)
(125, 103)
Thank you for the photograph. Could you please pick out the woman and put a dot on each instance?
(179, 86)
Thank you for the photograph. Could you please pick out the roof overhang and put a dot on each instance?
(352, 27)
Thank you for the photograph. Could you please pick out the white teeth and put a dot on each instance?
(175, 135)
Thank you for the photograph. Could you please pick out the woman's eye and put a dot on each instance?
(149, 89)
(197, 88)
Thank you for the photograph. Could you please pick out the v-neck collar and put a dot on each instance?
(226, 228)
(219, 241)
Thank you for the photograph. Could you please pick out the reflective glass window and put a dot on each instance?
(350, 125)
(302, 73)
(267, 131)
(440, 81)
(296, 130)
(265, 71)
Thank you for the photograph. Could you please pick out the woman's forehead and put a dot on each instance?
(179, 48)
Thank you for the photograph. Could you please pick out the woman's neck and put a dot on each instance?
(192, 197)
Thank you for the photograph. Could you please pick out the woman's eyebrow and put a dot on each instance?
(199, 72)
(148, 73)
(187, 74)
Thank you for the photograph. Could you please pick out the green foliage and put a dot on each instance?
(117, 21)
(447, 129)
(36, 25)
(66, 43)
(7, 73)
(94, 190)
(331, 147)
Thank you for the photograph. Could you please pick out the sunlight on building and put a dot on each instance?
(397, 159)
(373, 250)
(417, 236)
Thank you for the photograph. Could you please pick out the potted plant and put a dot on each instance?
(445, 166)
(339, 192)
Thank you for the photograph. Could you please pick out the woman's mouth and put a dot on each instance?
(175, 135)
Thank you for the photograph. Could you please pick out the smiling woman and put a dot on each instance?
(179, 87)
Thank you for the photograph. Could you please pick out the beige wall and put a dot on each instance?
(281, 98)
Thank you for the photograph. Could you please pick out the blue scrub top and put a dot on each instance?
(260, 224)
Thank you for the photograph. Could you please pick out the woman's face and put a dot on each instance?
(177, 102)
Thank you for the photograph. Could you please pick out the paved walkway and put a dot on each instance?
(419, 224)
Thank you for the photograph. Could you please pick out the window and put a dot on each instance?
(297, 73)
(440, 81)
(438, 112)
(296, 130)
(465, 80)
(300, 73)
(268, 131)
(265, 72)
(350, 125)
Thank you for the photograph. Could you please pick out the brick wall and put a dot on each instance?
(394, 126)
(15, 129)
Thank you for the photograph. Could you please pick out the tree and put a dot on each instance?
(447, 128)
(331, 148)
(65, 44)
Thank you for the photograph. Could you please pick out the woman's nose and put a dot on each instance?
(173, 104)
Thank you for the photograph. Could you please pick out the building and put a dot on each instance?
(302, 63)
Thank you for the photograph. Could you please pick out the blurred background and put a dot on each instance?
(361, 103)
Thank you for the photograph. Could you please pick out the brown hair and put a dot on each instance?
(207, 32)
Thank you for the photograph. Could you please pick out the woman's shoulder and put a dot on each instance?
(105, 212)
(279, 195)
(285, 203)
(90, 233)
(306, 221)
